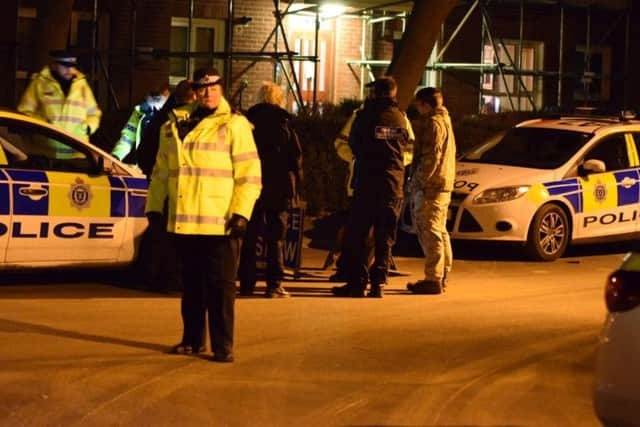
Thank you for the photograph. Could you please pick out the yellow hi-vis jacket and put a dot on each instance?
(341, 144)
(130, 135)
(211, 175)
(76, 112)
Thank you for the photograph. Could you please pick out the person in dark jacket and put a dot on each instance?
(378, 138)
(161, 265)
(281, 160)
(148, 148)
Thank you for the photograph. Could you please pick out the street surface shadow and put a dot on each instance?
(13, 326)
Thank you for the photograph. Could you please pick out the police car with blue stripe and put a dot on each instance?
(550, 182)
(64, 202)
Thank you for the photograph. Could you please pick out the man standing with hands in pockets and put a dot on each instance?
(431, 184)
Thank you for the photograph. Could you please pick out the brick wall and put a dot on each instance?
(346, 82)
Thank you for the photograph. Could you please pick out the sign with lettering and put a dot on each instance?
(292, 243)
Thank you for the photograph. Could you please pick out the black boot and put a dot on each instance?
(349, 290)
(376, 291)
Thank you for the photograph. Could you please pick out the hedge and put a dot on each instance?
(324, 172)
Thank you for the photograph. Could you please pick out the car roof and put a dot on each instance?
(582, 124)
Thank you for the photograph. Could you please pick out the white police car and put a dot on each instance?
(550, 182)
(64, 202)
(616, 399)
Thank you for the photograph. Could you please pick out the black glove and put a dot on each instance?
(236, 226)
(156, 220)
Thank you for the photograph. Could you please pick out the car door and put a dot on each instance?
(610, 199)
(61, 207)
(5, 207)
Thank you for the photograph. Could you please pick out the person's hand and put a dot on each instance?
(156, 220)
(236, 226)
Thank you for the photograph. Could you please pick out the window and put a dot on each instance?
(612, 151)
(205, 36)
(594, 81)
(499, 94)
(28, 147)
(303, 42)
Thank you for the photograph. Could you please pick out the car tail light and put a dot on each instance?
(622, 292)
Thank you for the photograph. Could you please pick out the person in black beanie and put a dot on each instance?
(378, 139)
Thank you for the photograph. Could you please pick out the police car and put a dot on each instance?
(64, 202)
(550, 182)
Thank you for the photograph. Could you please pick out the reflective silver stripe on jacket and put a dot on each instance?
(249, 180)
(199, 219)
(244, 156)
(207, 172)
(207, 146)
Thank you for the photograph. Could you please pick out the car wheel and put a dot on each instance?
(548, 233)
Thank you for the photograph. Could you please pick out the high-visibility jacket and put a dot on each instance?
(207, 177)
(78, 112)
(131, 133)
(341, 144)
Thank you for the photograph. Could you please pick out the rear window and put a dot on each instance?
(538, 148)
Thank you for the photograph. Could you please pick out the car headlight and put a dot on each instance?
(502, 194)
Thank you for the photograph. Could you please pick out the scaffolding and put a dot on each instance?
(363, 67)
(513, 65)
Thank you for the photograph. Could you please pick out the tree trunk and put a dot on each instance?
(418, 40)
(52, 29)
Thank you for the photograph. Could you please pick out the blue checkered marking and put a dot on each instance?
(631, 195)
(118, 199)
(136, 203)
(23, 205)
(569, 189)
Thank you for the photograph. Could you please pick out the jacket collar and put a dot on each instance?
(224, 109)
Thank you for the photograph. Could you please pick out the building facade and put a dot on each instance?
(512, 55)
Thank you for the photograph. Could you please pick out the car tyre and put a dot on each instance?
(549, 233)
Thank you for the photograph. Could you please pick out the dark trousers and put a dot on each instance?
(209, 265)
(164, 269)
(382, 215)
(274, 235)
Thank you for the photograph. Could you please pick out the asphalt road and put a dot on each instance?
(510, 344)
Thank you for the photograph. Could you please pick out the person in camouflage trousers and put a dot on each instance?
(430, 186)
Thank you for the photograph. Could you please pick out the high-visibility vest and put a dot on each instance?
(207, 177)
(131, 134)
(78, 112)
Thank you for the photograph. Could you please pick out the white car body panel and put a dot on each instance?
(617, 377)
(65, 214)
(599, 205)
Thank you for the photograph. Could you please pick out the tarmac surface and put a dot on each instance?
(510, 344)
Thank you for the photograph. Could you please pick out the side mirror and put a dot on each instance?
(591, 166)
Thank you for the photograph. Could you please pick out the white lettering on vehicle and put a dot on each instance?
(61, 230)
(609, 218)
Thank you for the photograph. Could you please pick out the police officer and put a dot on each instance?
(127, 147)
(61, 95)
(378, 140)
(431, 186)
(343, 240)
(208, 169)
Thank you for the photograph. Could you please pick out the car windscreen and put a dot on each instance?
(539, 148)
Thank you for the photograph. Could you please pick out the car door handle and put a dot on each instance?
(34, 193)
(138, 193)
